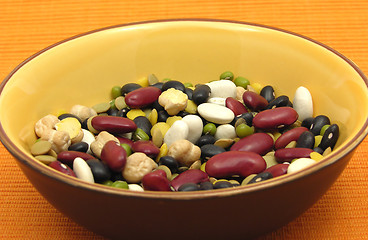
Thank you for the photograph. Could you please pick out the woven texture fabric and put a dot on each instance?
(29, 26)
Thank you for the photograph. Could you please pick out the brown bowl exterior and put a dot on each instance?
(237, 216)
(194, 51)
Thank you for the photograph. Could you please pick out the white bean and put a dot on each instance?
(82, 170)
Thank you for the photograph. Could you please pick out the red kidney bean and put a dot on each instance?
(59, 166)
(67, 157)
(275, 118)
(289, 136)
(125, 140)
(260, 143)
(232, 163)
(189, 176)
(113, 124)
(156, 181)
(254, 101)
(288, 154)
(146, 147)
(142, 97)
(114, 156)
(235, 106)
(278, 169)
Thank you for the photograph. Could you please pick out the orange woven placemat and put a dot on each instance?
(29, 26)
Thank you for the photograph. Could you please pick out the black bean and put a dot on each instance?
(162, 116)
(79, 147)
(261, 177)
(210, 150)
(268, 93)
(318, 149)
(205, 139)
(186, 187)
(305, 140)
(129, 87)
(330, 137)
(222, 184)
(143, 123)
(157, 106)
(169, 162)
(317, 124)
(280, 101)
(84, 124)
(100, 171)
(173, 84)
(116, 176)
(205, 186)
(112, 112)
(248, 117)
(122, 112)
(201, 93)
(66, 115)
(182, 114)
(189, 93)
(158, 85)
(307, 122)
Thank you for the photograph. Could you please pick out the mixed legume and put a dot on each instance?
(171, 136)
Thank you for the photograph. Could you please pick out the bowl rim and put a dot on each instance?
(226, 192)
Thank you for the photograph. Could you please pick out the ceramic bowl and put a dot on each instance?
(82, 70)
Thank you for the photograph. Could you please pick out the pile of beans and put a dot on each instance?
(169, 136)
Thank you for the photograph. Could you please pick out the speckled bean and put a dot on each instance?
(232, 163)
(275, 118)
(260, 143)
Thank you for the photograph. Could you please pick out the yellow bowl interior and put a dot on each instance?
(83, 69)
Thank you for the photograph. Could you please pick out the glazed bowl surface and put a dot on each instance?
(82, 70)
